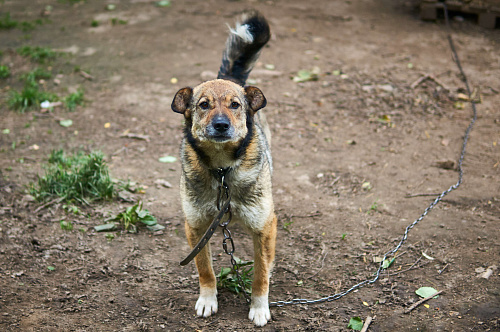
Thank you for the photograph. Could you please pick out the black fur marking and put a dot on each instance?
(241, 150)
(239, 57)
(192, 142)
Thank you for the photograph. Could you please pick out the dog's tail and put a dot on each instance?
(243, 47)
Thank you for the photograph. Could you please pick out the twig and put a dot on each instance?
(367, 323)
(413, 267)
(321, 267)
(315, 214)
(136, 136)
(430, 77)
(57, 200)
(421, 301)
(86, 75)
(418, 195)
(441, 271)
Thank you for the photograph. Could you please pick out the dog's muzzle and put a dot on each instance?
(220, 129)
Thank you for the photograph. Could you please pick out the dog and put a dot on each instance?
(225, 129)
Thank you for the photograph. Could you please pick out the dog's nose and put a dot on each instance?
(221, 123)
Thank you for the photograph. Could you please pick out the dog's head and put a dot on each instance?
(217, 110)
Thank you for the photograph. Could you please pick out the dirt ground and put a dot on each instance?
(347, 150)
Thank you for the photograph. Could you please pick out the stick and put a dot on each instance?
(367, 323)
(420, 80)
(321, 267)
(57, 200)
(86, 75)
(417, 195)
(421, 301)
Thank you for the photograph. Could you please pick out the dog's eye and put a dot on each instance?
(204, 105)
(235, 105)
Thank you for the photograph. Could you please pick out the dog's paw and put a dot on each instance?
(206, 305)
(259, 311)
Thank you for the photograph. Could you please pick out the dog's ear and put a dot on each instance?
(255, 98)
(181, 101)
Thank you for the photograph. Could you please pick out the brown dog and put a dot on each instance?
(223, 130)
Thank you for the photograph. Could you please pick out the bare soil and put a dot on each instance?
(361, 122)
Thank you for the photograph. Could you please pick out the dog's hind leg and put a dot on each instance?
(264, 247)
(207, 301)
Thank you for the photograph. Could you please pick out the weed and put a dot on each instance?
(71, 209)
(66, 225)
(7, 23)
(81, 177)
(343, 236)
(227, 279)
(94, 24)
(4, 71)
(36, 74)
(27, 26)
(37, 53)
(74, 99)
(287, 225)
(30, 96)
(373, 208)
(133, 215)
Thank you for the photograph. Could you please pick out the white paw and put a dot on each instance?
(259, 310)
(206, 305)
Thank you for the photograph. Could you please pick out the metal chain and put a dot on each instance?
(229, 250)
(426, 211)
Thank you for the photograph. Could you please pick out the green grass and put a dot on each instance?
(227, 279)
(81, 177)
(4, 71)
(37, 53)
(30, 96)
(6, 23)
(36, 74)
(74, 99)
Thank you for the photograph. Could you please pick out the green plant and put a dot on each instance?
(81, 177)
(7, 23)
(37, 53)
(373, 208)
(66, 225)
(4, 71)
(30, 96)
(227, 279)
(74, 99)
(94, 23)
(36, 74)
(133, 215)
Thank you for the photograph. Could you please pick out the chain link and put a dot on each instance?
(229, 250)
(426, 211)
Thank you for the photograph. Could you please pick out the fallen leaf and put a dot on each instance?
(355, 323)
(366, 304)
(164, 183)
(167, 159)
(426, 305)
(426, 292)
(427, 256)
(6, 131)
(66, 123)
(162, 3)
(107, 125)
(106, 227)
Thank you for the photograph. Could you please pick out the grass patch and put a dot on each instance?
(227, 279)
(80, 177)
(74, 99)
(4, 71)
(36, 74)
(6, 23)
(37, 53)
(30, 96)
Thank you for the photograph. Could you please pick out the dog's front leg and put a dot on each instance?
(207, 302)
(264, 247)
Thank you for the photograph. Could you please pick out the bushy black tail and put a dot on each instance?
(243, 47)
